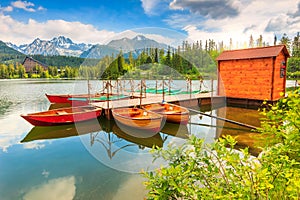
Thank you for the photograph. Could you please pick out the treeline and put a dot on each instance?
(61, 61)
(9, 55)
(188, 60)
(11, 71)
(293, 45)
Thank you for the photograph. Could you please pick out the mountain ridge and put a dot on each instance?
(64, 46)
(60, 45)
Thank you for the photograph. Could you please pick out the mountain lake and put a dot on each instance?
(90, 160)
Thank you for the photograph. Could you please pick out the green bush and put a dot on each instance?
(218, 171)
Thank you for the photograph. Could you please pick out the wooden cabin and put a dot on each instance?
(254, 73)
(29, 63)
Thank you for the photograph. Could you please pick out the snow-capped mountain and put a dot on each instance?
(138, 42)
(57, 46)
(135, 45)
(65, 46)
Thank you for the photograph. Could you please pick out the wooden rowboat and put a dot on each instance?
(63, 116)
(173, 113)
(78, 101)
(65, 98)
(137, 118)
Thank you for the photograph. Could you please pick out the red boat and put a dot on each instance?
(63, 116)
(82, 99)
(65, 98)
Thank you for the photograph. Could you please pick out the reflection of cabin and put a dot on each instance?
(29, 63)
(254, 73)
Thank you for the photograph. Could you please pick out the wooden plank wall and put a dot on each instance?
(279, 83)
(249, 78)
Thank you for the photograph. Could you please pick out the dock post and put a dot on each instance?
(108, 114)
(163, 88)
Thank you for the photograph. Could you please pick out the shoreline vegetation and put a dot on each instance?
(189, 60)
(197, 170)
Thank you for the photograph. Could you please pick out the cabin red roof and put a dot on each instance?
(259, 52)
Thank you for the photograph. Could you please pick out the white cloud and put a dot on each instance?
(149, 6)
(34, 145)
(40, 8)
(24, 5)
(154, 7)
(133, 186)
(19, 32)
(60, 189)
(13, 128)
(264, 18)
(6, 9)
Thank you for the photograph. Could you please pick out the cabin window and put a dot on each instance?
(282, 69)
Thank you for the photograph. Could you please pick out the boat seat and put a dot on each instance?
(61, 112)
(134, 113)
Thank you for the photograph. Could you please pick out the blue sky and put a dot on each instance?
(93, 21)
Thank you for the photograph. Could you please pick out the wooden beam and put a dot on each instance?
(224, 119)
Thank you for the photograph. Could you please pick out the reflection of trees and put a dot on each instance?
(112, 136)
(109, 143)
(4, 105)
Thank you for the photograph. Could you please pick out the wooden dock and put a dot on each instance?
(186, 100)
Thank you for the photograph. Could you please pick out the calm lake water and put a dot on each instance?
(102, 162)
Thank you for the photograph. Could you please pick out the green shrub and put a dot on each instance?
(218, 171)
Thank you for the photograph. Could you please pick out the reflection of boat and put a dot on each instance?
(137, 118)
(55, 132)
(63, 116)
(177, 130)
(114, 139)
(151, 141)
(173, 113)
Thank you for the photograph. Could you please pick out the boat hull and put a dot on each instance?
(66, 98)
(63, 116)
(133, 118)
(80, 101)
(172, 113)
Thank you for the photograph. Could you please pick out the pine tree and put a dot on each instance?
(156, 56)
(251, 42)
(296, 46)
(286, 41)
(260, 41)
(275, 40)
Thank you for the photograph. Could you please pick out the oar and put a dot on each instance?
(224, 119)
(223, 127)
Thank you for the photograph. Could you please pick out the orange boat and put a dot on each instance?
(173, 113)
(63, 116)
(137, 118)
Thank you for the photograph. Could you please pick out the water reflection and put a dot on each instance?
(245, 137)
(4, 105)
(59, 189)
(106, 132)
(114, 139)
(62, 131)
